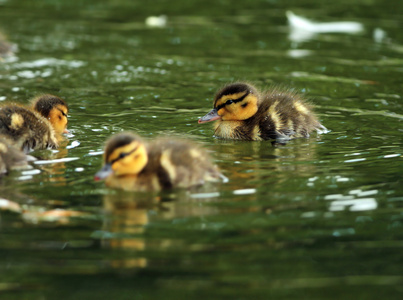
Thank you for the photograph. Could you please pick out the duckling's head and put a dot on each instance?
(54, 109)
(125, 154)
(234, 102)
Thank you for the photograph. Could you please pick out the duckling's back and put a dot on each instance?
(27, 129)
(178, 163)
(284, 115)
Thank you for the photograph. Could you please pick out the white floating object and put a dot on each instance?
(94, 153)
(297, 53)
(205, 195)
(379, 35)
(354, 160)
(361, 204)
(244, 192)
(302, 23)
(55, 161)
(157, 21)
(73, 144)
(31, 172)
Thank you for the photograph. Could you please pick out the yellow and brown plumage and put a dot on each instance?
(54, 109)
(242, 112)
(39, 127)
(131, 164)
(10, 156)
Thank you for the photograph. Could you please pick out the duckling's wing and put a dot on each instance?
(183, 164)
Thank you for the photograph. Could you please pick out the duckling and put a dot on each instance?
(54, 109)
(39, 127)
(242, 112)
(131, 164)
(10, 157)
(6, 48)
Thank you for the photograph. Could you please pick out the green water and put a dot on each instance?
(318, 218)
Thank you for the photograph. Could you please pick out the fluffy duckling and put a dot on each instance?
(39, 127)
(131, 164)
(10, 157)
(54, 109)
(6, 48)
(242, 112)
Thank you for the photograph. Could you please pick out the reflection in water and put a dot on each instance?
(256, 162)
(305, 218)
(53, 162)
(127, 215)
(123, 228)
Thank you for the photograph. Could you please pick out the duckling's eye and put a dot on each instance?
(122, 155)
(229, 102)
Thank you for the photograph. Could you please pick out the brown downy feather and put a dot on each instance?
(27, 129)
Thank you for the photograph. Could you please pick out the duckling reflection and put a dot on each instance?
(163, 164)
(254, 165)
(127, 215)
(242, 112)
(56, 171)
(36, 127)
(10, 156)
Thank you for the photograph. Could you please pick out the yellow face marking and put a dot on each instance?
(17, 121)
(166, 163)
(301, 108)
(129, 159)
(241, 110)
(58, 118)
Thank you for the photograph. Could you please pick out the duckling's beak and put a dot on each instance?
(211, 116)
(104, 172)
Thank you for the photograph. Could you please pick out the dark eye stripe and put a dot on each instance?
(230, 101)
(62, 112)
(123, 155)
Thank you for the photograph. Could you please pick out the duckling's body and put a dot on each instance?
(243, 113)
(131, 164)
(10, 156)
(34, 128)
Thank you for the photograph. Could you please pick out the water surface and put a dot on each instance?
(318, 218)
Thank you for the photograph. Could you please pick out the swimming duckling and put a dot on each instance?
(10, 157)
(131, 164)
(54, 109)
(36, 128)
(242, 112)
(6, 48)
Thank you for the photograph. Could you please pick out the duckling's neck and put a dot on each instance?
(236, 130)
(138, 182)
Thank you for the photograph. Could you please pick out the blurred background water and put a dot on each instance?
(318, 218)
